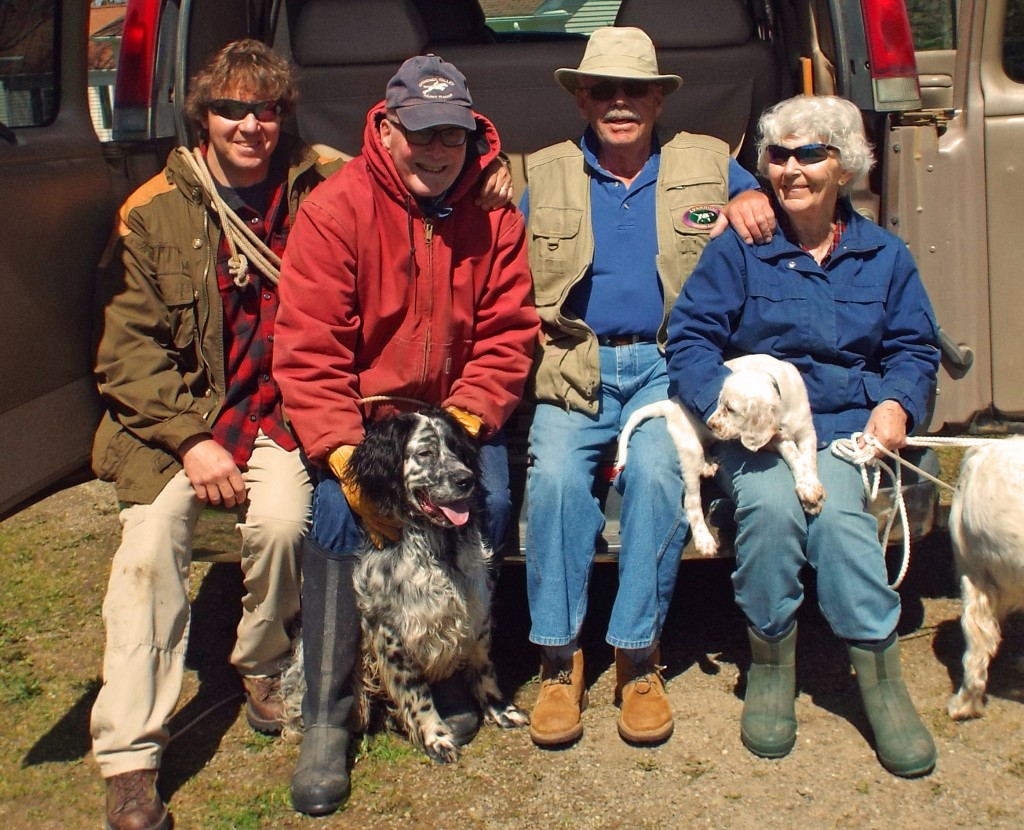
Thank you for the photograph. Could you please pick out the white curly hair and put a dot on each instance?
(826, 118)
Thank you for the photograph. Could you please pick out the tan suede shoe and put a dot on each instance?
(556, 717)
(646, 716)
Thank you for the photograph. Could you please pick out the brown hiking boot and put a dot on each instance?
(646, 717)
(264, 707)
(134, 804)
(556, 715)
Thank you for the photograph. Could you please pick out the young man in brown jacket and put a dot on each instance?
(194, 417)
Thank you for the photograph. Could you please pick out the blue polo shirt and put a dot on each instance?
(621, 293)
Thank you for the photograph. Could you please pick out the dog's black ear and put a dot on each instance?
(376, 463)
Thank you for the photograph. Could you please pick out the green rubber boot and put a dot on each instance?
(902, 742)
(768, 725)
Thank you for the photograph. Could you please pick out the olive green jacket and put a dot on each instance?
(693, 174)
(160, 337)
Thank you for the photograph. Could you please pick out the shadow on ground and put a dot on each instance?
(68, 739)
(216, 611)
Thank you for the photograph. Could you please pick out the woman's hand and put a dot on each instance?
(888, 424)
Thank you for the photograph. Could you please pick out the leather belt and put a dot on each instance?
(624, 340)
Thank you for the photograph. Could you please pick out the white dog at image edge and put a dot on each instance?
(986, 526)
(763, 403)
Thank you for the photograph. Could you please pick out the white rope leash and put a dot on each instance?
(238, 233)
(849, 449)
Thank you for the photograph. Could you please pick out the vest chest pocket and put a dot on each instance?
(554, 242)
(694, 207)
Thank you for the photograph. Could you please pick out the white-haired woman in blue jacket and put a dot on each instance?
(841, 299)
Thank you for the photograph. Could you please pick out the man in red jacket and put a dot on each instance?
(395, 285)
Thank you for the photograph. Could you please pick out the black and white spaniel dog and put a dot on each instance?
(425, 600)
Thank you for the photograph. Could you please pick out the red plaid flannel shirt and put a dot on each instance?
(252, 400)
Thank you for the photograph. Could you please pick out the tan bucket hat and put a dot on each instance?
(618, 52)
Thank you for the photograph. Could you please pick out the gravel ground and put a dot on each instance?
(217, 775)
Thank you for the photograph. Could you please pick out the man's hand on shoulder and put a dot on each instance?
(751, 215)
(212, 471)
(496, 188)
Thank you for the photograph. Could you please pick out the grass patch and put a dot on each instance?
(257, 742)
(18, 685)
(248, 814)
(385, 748)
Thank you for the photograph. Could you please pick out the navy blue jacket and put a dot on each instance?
(860, 329)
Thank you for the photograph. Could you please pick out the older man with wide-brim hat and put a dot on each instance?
(616, 221)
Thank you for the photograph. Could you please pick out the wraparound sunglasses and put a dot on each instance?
(804, 154)
(605, 90)
(234, 110)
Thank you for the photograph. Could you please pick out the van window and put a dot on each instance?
(549, 16)
(1013, 41)
(933, 23)
(28, 80)
(106, 21)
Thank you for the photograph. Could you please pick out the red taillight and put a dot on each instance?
(134, 84)
(891, 55)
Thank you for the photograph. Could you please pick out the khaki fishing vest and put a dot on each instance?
(692, 187)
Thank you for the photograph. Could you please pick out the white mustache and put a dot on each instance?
(621, 115)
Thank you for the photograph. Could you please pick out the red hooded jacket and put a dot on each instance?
(377, 299)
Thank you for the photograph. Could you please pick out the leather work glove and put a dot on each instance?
(470, 422)
(377, 527)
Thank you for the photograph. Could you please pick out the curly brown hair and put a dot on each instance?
(246, 69)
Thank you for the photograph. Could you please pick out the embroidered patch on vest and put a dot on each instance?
(701, 216)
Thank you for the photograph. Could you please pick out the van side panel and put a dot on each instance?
(56, 191)
(1003, 101)
(930, 191)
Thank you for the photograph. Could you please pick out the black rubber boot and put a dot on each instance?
(330, 643)
(768, 724)
(902, 741)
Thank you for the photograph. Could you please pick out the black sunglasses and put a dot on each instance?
(804, 154)
(450, 136)
(234, 110)
(605, 90)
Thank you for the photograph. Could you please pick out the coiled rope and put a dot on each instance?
(243, 244)
(859, 449)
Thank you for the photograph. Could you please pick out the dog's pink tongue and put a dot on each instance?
(457, 513)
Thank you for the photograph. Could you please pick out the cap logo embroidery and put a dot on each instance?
(701, 216)
(436, 88)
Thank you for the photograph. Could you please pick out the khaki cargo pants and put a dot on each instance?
(146, 609)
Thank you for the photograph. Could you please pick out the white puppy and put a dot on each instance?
(986, 525)
(763, 402)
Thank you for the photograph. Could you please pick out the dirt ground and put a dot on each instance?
(217, 774)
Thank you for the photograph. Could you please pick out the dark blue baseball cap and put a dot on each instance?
(428, 92)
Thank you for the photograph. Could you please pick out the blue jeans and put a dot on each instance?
(338, 531)
(775, 538)
(564, 517)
